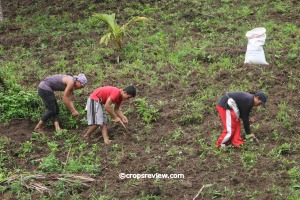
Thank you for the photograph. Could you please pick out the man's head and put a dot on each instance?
(81, 79)
(129, 92)
(260, 98)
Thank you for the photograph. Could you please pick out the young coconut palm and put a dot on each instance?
(116, 33)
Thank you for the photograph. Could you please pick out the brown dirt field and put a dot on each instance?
(197, 171)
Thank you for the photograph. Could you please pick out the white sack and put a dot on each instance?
(255, 53)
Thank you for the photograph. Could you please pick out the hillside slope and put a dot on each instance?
(181, 63)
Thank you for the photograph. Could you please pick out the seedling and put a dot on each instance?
(116, 33)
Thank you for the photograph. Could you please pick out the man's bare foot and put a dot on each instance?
(59, 129)
(86, 137)
(107, 141)
(38, 130)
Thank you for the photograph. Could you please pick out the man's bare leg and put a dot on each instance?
(57, 126)
(89, 132)
(104, 134)
(39, 126)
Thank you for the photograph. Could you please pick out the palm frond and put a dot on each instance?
(116, 33)
(105, 39)
(136, 19)
(110, 20)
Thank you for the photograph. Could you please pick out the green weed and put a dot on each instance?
(281, 150)
(177, 134)
(295, 175)
(194, 112)
(61, 133)
(148, 149)
(27, 147)
(17, 103)
(50, 164)
(147, 113)
(249, 159)
(284, 115)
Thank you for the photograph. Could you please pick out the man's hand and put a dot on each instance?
(124, 119)
(251, 120)
(117, 119)
(121, 122)
(75, 114)
(252, 136)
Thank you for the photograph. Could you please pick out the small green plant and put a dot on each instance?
(249, 159)
(116, 33)
(148, 149)
(194, 114)
(35, 136)
(191, 119)
(27, 147)
(148, 114)
(19, 104)
(61, 133)
(82, 162)
(284, 115)
(132, 154)
(67, 119)
(115, 147)
(3, 171)
(276, 134)
(152, 168)
(4, 140)
(87, 164)
(50, 164)
(177, 134)
(294, 173)
(53, 146)
(16, 187)
(174, 151)
(283, 149)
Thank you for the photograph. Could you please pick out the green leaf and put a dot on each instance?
(105, 39)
